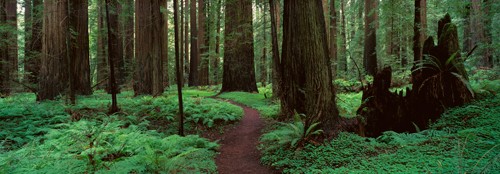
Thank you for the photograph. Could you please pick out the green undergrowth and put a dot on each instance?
(52, 137)
(110, 146)
(260, 101)
(465, 140)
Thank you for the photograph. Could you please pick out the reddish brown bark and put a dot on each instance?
(195, 56)
(307, 80)
(370, 51)
(54, 67)
(149, 69)
(239, 73)
(276, 65)
(203, 44)
(79, 47)
(164, 42)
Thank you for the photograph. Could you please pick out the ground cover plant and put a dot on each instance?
(464, 140)
(51, 136)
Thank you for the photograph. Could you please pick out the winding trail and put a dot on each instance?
(238, 153)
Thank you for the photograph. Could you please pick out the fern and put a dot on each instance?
(289, 135)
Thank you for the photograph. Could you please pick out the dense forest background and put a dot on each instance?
(152, 86)
(393, 24)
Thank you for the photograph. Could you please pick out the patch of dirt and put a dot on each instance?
(238, 152)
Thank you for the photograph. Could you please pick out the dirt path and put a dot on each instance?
(239, 152)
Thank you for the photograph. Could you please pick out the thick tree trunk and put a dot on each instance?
(276, 70)
(333, 38)
(418, 29)
(239, 73)
(216, 58)
(418, 38)
(149, 69)
(4, 54)
(102, 48)
(79, 46)
(115, 38)
(164, 42)
(54, 68)
(128, 38)
(203, 44)
(34, 41)
(11, 9)
(370, 46)
(195, 56)
(306, 73)
(479, 31)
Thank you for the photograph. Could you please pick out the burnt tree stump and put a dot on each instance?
(439, 82)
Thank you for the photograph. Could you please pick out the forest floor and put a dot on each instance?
(238, 152)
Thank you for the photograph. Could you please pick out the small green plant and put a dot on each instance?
(291, 135)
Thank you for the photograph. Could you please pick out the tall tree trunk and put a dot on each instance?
(214, 40)
(178, 67)
(343, 48)
(327, 25)
(102, 48)
(33, 46)
(239, 73)
(54, 68)
(4, 54)
(203, 44)
(480, 33)
(306, 72)
(128, 38)
(418, 29)
(194, 76)
(333, 38)
(149, 69)
(263, 58)
(370, 51)
(28, 32)
(418, 37)
(274, 9)
(181, 40)
(111, 60)
(11, 9)
(79, 46)
(115, 38)
(186, 43)
(164, 42)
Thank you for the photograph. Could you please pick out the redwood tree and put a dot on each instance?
(53, 73)
(274, 9)
(11, 12)
(370, 51)
(4, 52)
(194, 57)
(102, 51)
(33, 45)
(115, 38)
(307, 80)
(239, 73)
(333, 38)
(203, 44)
(127, 24)
(79, 46)
(164, 44)
(149, 69)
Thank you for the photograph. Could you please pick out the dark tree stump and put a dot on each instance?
(439, 83)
